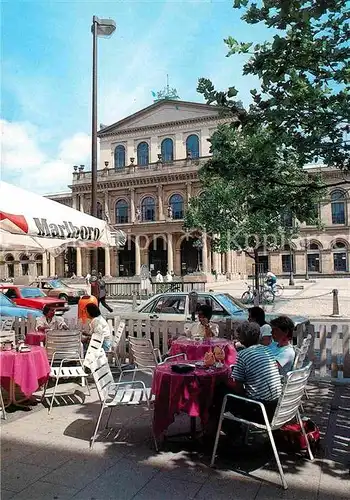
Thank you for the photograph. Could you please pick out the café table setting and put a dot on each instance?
(189, 387)
(23, 366)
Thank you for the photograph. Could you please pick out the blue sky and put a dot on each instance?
(46, 72)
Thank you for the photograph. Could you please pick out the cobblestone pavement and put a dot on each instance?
(48, 457)
(306, 301)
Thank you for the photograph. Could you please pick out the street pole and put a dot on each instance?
(291, 275)
(94, 255)
(306, 262)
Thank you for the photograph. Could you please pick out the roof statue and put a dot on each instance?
(166, 94)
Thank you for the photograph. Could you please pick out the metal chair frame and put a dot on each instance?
(287, 409)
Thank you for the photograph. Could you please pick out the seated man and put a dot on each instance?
(254, 376)
(204, 329)
(49, 321)
(282, 349)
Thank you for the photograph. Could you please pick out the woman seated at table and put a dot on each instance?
(98, 327)
(49, 321)
(204, 329)
(254, 376)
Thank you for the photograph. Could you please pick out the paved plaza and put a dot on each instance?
(314, 300)
(47, 457)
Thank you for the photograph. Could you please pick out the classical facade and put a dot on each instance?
(148, 172)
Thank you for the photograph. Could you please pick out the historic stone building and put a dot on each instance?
(148, 172)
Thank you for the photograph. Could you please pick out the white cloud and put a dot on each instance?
(25, 163)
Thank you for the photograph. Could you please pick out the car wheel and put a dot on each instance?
(63, 297)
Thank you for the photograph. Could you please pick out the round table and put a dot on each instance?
(35, 338)
(191, 393)
(196, 350)
(28, 370)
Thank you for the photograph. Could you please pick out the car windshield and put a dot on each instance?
(57, 284)
(229, 303)
(28, 293)
(4, 301)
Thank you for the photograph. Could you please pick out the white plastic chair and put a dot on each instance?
(114, 394)
(7, 332)
(145, 356)
(287, 409)
(301, 352)
(64, 346)
(116, 338)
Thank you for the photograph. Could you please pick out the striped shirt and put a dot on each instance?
(258, 371)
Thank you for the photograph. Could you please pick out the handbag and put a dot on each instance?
(291, 437)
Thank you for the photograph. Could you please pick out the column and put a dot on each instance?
(160, 203)
(132, 205)
(170, 252)
(216, 261)
(137, 256)
(79, 267)
(189, 191)
(205, 253)
(45, 273)
(52, 265)
(107, 262)
(178, 270)
(106, 207)
(75, 202)
(219, 269)
(81, 203)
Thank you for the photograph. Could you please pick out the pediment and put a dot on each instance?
(160, 113)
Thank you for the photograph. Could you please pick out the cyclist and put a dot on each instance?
(271, 280)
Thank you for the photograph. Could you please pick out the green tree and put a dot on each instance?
(247, 191)
(304, 76)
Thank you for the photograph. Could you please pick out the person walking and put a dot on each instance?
(102, 293)
(94, 283)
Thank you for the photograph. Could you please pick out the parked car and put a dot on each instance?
(174, 306)
(32, 297)
(56, 288)
(10, 309)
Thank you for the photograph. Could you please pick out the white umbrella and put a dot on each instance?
(28, 220)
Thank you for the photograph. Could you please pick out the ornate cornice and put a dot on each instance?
(169, 126)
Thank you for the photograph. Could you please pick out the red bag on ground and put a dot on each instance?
(290, 436)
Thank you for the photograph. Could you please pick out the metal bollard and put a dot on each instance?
(134, 300)
(335, 303)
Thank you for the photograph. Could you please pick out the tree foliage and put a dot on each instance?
(304, 75)
(242, 206)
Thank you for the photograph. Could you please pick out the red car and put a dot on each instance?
(32, 297)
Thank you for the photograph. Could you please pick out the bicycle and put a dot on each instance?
(265, 295)
(276, 289)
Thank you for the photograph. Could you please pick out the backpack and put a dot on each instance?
(291, 438)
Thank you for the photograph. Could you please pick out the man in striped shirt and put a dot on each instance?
(255, 376)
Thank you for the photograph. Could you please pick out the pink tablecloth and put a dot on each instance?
(191, 393)
(35, 338)
(29, 370)
(196, 350)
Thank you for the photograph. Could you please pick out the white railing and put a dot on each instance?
(329, 351)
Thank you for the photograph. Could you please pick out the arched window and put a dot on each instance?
(39, 264)
(142, 154)
(122, 212)
(192, 146)
(176, 203)
(119, 157)
(313, 258)
(340, 259)
(338, 207)
(9, 259)
(24, 260)
(99, 210)
(148, 209)
(167, 150)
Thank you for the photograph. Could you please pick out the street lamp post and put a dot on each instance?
(102, 28)
(291, 275)
(306, 261)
